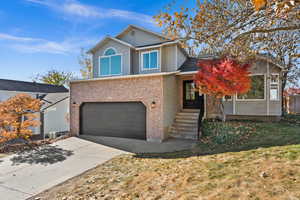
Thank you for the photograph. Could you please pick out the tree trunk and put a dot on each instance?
(222, 111)
(284, 81)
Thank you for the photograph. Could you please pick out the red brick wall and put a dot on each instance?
(144, 89)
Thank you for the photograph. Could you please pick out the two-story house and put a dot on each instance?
(142, 87)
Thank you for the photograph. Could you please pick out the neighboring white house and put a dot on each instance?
(55, 109)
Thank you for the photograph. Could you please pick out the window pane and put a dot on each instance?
(257, 90)
(104, 66)
(190, 91)
(109, 52)
(153, 60)
(274, 94)
(146, 61)
(116, 65)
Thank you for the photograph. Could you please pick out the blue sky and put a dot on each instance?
(39, 35)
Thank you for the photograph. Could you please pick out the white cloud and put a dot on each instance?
(75, 8)
(37, 45)
(4, 36)
(46, 47)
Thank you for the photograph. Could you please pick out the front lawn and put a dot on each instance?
(257, 161)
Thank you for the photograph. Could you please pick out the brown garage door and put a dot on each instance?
(117, 119)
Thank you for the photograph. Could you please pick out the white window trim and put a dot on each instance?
(117, 54)
(113, 48)
(142, 60)
(276, 74)
(265, 90)
(277, 84)
(226, 100)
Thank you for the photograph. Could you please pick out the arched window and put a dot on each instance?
(109, 52)
(110, 63)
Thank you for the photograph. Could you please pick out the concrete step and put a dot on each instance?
(184, 136)
(187, 121)
(184, 128)
(190, 110)
(187, 114)
(183, 132)
(183, 124)
(186, 117)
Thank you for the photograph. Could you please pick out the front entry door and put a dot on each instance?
(191, 98)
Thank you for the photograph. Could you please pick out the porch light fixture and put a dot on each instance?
(153, 104)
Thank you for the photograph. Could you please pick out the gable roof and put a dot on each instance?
(128, 28)
(23, 86)
(109, 38)
(271, 59)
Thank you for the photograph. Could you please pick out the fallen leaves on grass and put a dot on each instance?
(223, 176)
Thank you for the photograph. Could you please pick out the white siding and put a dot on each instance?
(170, 101)
(56, 117)
(121, 49)
(138, 37)
(181, 58)
(258, 107)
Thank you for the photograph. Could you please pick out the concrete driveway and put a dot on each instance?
(27, 174)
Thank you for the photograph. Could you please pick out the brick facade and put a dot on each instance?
(144, 89)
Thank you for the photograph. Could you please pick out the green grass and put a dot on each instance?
(245, 135)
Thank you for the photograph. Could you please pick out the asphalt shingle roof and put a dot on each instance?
(22, 86)
(189, 65)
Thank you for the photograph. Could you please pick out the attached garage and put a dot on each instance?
(113, 119)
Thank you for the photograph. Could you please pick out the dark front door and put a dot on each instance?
(191, 97)
(114, 119)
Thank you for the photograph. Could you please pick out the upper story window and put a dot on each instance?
(150, 60)
(110, 63)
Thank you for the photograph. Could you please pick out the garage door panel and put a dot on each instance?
(126, 119)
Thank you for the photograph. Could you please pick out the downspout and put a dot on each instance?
(200, 118)
(268, 88)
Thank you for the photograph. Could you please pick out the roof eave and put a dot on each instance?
(156, 46)
(186, 72)
(109, 38)
(132, 76)
(143, 29)
(271, 61)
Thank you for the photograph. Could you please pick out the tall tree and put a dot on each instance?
(54, 77)
(281, 8)
(17, 117)
(238, 28)
(222, 77)
(85, 62)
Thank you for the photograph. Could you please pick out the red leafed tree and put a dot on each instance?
(17, 117)
(222, 77)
